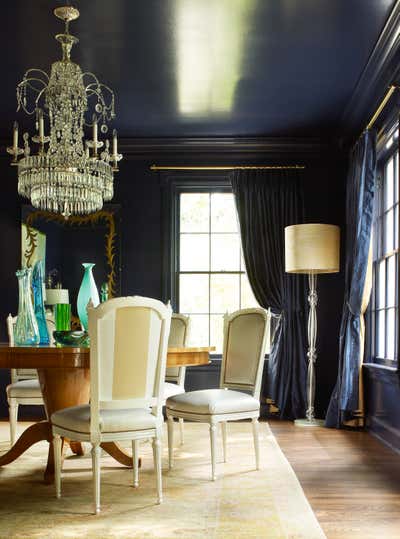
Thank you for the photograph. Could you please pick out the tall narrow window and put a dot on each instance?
(211, 277)
(384, 306)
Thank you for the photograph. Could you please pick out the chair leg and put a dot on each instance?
(170, 442)
(223, 429)
(135, 457)
(13, 417)
(57, 448)
(181, 430)
(256, 437)
(157, 465)
(213, 440)
(96, 453)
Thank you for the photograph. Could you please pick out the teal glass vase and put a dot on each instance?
(87, 292)
(26, 331)
(37, 286)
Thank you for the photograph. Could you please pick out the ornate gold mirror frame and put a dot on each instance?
(104, 215)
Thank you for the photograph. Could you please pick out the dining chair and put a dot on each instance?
(24, 388)
(128, 352)
(175, 376)
(238, 397)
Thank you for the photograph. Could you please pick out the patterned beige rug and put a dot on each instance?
(242, 503)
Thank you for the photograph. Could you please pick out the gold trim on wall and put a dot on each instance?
(93, 218)
(229, 167)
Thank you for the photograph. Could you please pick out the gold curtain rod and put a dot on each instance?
(380, 108)
(230, 167)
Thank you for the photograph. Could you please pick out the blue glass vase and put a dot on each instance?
(88, 291)
(26, 331)
(38, 303)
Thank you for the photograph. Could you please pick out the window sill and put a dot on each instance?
(379, 366)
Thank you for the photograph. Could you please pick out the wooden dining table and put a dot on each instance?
(64, 377)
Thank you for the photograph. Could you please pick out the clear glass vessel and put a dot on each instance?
(26, 331)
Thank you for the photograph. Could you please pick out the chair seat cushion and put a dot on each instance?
(77, 418)
(25, 389)
(213, 401)
(171, 389)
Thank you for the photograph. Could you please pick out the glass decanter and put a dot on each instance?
(26, 331)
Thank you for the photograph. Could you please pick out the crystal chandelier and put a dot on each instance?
(69, 176)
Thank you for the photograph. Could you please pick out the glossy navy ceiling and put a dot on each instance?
(205, 67)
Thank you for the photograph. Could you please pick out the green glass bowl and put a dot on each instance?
(71, 338)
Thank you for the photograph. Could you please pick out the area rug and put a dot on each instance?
(242, 503)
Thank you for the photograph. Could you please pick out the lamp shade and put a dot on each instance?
(56, 295)
(312, 248)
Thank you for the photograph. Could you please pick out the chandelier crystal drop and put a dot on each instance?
(62, 172)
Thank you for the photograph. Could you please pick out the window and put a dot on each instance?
(384, 308)
(210, 273)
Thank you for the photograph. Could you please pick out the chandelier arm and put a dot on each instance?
(36, 70)
(28, 83)
(22, 100)
(89, 74)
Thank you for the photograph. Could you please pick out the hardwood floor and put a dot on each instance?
(351, 480)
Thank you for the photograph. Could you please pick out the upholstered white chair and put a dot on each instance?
(24, 388)
(128, 352)
(175, 377)
(245, 337)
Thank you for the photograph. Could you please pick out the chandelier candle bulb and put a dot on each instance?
(41, 125)
(95, 139)
(15, 138)
(115, 143)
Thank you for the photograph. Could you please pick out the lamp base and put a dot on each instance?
(308, 423)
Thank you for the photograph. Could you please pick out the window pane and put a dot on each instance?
(225, 252)
(247, 299)
(198, 333)
(389, 143)
(223, 213)
(396, 228)
(382, 284)
(391, 334)
(195, 212)
(389, 184)
(194, 252)
(389, 230)
(216, 332)
(391, 282)
(193, 293)
(224, 293)
(396, 177)
(380, 337)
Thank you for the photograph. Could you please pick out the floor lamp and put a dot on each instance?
(312, 249)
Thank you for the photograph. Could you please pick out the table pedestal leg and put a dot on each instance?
(76, 448)
(118, 453)
(33, 434)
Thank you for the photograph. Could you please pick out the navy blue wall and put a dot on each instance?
(138, 190)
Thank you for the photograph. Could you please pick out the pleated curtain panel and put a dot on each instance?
(346, 404)
(267, 201)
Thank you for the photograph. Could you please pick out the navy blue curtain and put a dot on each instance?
(266, 202)
(344, 402)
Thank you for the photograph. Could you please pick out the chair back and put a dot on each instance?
(178, 337)
(17, 374)
(128, 352)
(245, 338)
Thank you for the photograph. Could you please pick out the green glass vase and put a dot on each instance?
(87, 292)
